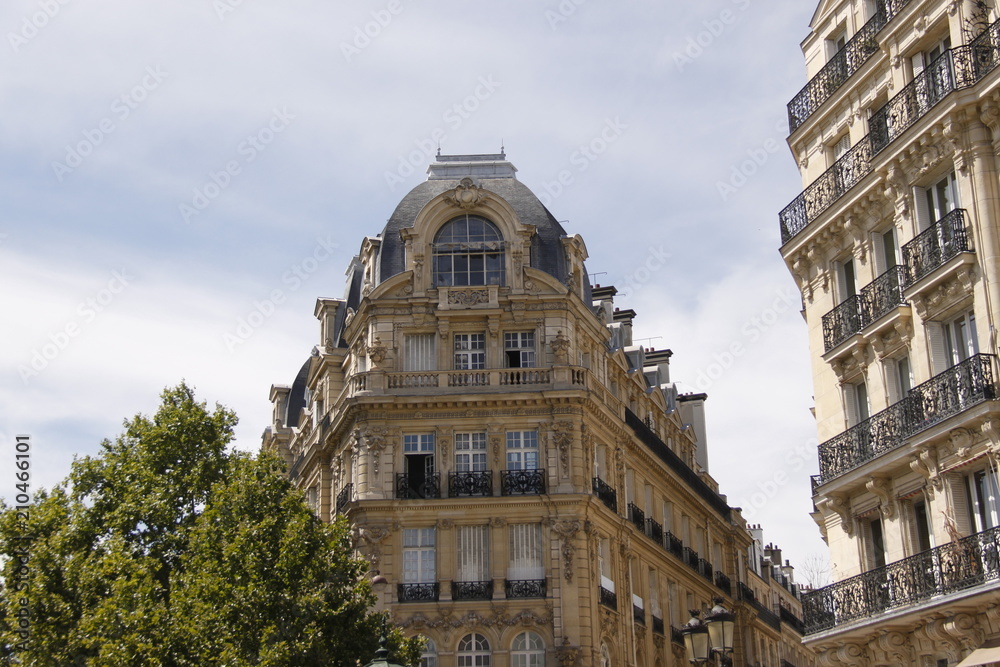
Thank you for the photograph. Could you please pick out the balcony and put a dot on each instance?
(522, 482)
(524, 588)
(947, 569)
(933, 247)
(945, 395)
(676, 636)
(468, 484)
(674, 545)
(638, 614)
(723, 583)
(876, 300)
(471, 590)
(344, 497)
(658, 627)
(654, 531)
(705, 568)
(417, 592)
(862, 46)
(691, 558)
(434, 381)
(956, 69)
(637, 516)
(608, 598)
(606, 494)
(427, 486)
(789, 618)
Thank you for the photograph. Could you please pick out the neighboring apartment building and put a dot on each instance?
(894, 246)
(529, 482)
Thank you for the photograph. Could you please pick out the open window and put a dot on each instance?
(519, 349)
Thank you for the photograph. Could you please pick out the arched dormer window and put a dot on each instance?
(468, 250)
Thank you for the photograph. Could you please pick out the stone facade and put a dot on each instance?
(524, 477)
(894, 247)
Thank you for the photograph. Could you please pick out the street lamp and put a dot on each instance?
(696, 639)
(721, 623)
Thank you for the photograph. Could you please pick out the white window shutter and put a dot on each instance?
(940, 361)
(960, 494)
(878, 249)
(918, 64)
(851, 404)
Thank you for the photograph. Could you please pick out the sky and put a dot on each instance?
(180, 181)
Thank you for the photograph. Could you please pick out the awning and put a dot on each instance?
(986, 654)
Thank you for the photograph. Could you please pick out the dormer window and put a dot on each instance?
(468, 250)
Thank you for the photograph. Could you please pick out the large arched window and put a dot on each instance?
(528, 650)
(468, 251)
(474, 651)
(429, 657)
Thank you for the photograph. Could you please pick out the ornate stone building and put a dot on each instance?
(528, 481)
(894, 245)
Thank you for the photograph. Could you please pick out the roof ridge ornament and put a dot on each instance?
(466, 196)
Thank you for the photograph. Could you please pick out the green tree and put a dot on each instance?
(169, 550)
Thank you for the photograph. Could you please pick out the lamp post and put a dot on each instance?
(703, 640)
(721, 623)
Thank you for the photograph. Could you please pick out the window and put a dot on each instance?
(522, 450)
(519, 349)
(418, 455)
(604, 563)
(839, 147)
(936, 201)
(952, 341)
(473, 553)
(312, 498)
(525, 552)
(429, 657)
(847, 284)
(886, 250)
(418, 556)
(900, 378)
(527, 650)
(469, 250)
(654, 594)
(470, 351)
(921, 527)
(419, 352)
(474, 651)
(874, 543)
(984, 494)
(856, 402)
(470, 452)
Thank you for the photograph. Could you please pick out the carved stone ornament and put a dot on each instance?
(562, 437)
(567, 654)
(566, 529)
(881, 487)
(961, 440)
(466, 196)
(377, 351)
(560, 347)
(468, 297)
(375, 438)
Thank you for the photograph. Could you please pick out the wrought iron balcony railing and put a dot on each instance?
(608, 598)
(935, 245)
(522, 482)
(654, 531)
(637, 516)
(417, 592)
(639, 614)
(676, 636)
(950, 568)
(955, 69)
(862, 46)
(960, 387)
(524, 588)
(691, 558)
(723, 583)
(471, 483)
(345, 496)
(789, 618)
(658, 625)
(876, 299)
(673, 544)
(472, 590)
(607, 494)
(429, 486)
(705, 568)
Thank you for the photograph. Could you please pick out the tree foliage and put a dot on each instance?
(169, 550)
